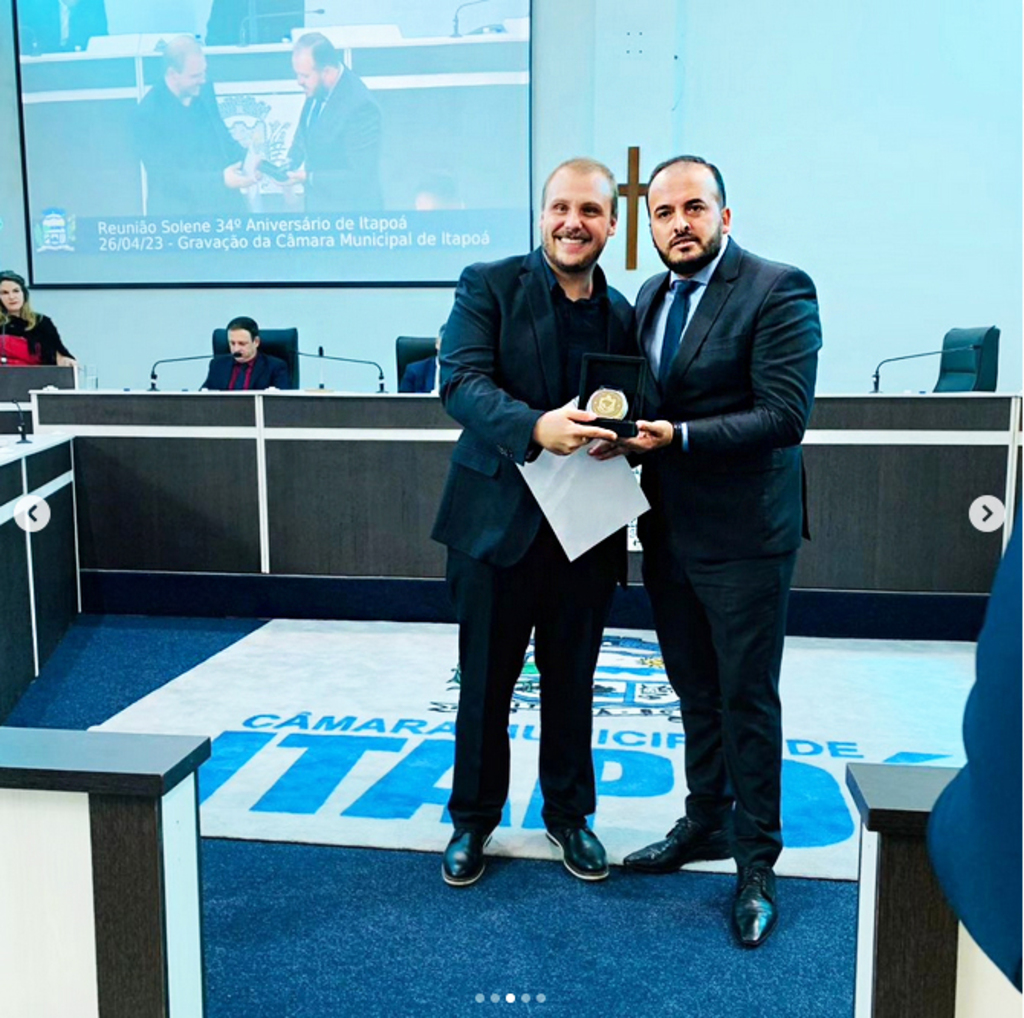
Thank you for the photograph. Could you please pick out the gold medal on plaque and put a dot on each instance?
(609, 403)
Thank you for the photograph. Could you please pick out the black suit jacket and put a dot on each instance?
(266, 372)
(185, 150)
(743, 379)
(340, 150)
(500, 371)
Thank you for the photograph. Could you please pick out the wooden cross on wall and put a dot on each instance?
(632, 191)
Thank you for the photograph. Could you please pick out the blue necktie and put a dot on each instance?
(674, 325)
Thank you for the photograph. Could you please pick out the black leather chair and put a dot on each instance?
(970, 360)
(283, 343)
(412, 348)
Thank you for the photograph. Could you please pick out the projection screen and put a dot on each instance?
(360, 142)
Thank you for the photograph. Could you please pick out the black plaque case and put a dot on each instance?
(614, 371)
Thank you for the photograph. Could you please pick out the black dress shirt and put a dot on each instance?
(582, 328)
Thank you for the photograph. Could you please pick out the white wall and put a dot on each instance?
(876, 145)
(603, 81)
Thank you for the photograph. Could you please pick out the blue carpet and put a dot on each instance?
(105, 663)
(298, 931)
(295, 931)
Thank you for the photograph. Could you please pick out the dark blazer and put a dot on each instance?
(341, 150)
(185, 150)
(974, 833)
(500, 371)
(419, 376)
(266, 372)
(743, 379)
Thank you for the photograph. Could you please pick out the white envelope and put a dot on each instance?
(583, 498)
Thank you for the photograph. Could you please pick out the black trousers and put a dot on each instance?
(565, 605)
(721, 627)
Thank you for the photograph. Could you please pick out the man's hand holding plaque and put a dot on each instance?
(564, 430)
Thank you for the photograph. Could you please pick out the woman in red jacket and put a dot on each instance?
(27, 337)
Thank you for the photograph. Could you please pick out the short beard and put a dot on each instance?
(691, 265)
(577, 268)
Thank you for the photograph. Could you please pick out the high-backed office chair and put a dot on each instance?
(283, 343)
(412, 348)
(970, 360)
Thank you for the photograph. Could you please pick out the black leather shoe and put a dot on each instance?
(754, 914)
(463, 862)
(688, 841)
(582, 854)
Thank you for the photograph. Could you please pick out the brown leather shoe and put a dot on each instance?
(688, 841)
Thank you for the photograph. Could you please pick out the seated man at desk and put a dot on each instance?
(421, 376)
(245, 367)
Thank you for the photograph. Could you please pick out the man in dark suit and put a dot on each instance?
(422, 375)
(246, 367)
(193, 164)
(733, 342)
(336, 150)
(510, 365)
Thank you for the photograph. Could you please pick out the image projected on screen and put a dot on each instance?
(288, 141)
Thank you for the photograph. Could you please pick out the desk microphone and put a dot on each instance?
(346, 360)
(913, 356)
(171, 360)
(456, 34)
(21, 424)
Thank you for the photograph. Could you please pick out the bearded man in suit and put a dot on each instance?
(335, 154)
(732, 341)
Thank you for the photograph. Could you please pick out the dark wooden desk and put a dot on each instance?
(39, 593)
(906, 933)
(18, 383)
(890, 481)
(99, 874)
(318, 485)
